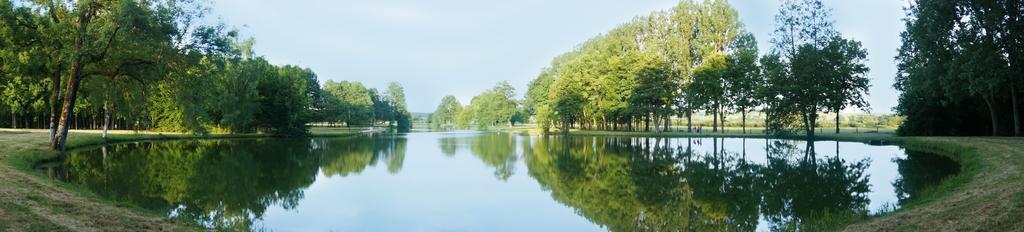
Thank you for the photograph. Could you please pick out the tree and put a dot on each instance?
(638, 73)
(654, 92)
(848, 84)
(743, 77)
(708, 90)
(446, 113)
(285, 103)
(707, 30)
(126, 35)
(955, 55)
(823, 72)
(348, 102)
(143, 65)
(538, 90)
(494, 106)
(503, 102)
(381, 107)
(396, 98)
(801, 22)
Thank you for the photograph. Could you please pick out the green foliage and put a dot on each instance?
(491, 108)
(347, 102)
(708, 88)
(958, 68)
(446, 113)
(743, 78)
(146, 65)
(395, 99)
(812, 70)
(638, 75)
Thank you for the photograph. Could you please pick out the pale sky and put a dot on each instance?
(462, 47)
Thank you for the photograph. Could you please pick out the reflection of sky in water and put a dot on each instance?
(434, 192)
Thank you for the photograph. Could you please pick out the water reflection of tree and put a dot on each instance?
(217, 184)
(223, 184)
(449, 145)
(799, 189)
(496, 150)
(648, 184)
(920, 170)
(724, 188)
(343, 157)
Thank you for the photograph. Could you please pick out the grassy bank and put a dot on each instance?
(987, 195)
(30, 201)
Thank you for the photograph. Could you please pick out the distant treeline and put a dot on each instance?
(961, 67)
(145, 65)
(494, 107)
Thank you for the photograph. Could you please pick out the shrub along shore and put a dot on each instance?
(988, 194)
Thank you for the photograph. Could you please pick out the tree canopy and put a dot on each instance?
(698, 57)
(144, 65)
(958, 68)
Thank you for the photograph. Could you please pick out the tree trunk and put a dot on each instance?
(69, 103)
(565, 127)
(106, 118)
(74, 79)
(807, 125)
(14, 120)
(992, 115)
(1016, 110)
(714, 119)
(689, 121)
(656, 121)
(54, 103)
(813, 121)
(668, 123)
(765, 122)
(647, 122)
(744, 120)
(721, 110)
(837, 122)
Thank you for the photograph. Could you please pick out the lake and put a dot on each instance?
(492, 181)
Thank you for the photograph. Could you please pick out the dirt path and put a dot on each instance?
(29, 202)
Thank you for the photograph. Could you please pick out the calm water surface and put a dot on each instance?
(470, 181)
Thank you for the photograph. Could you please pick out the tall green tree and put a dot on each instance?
(956, 68)
(446, 113)
(709, 87)
(494, 107)
(350, 102)
(848, 85)
(395, 95)
(744, 78)
(823, 72)
(110, 37)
